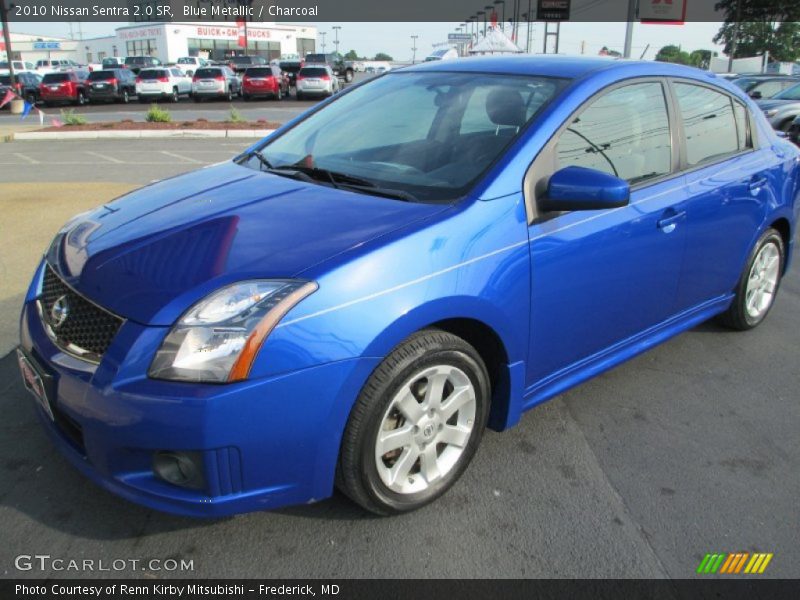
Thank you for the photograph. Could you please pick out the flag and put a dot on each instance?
(26, 109)
(56, 123)
(7, 98)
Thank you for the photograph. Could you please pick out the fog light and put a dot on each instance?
(184, 469)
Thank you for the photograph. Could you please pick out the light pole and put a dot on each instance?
(479, 13)
(489, 11)
(323, 34)
(503, 19)
(414, 48)
(336, 29)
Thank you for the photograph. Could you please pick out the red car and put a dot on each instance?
(64, 87)
(264, 81)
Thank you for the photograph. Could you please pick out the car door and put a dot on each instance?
(730, 181)
(601, 278)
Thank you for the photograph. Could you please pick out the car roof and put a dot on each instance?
(572, 67)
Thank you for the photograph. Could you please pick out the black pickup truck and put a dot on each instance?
(335, 61)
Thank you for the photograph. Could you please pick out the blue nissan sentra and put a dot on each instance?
(355, 298)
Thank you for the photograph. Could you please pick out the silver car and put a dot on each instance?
(316, 80)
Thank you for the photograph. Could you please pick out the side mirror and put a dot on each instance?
(755, 95)
(578, 188)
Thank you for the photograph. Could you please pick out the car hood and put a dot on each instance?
(152, 253)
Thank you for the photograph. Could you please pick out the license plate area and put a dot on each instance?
(40, 384)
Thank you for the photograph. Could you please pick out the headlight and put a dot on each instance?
(771, 112)
(219, 337)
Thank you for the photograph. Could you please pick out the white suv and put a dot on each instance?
(190, 64)
(162, 83)
(316, 80)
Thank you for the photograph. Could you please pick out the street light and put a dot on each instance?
(323, 34)
(503, 20)
(489, 11)
(414, 49)
(336, 29)
(479, 13)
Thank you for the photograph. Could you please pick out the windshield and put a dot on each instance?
(792, 93)
(187, 61)
(429, 135)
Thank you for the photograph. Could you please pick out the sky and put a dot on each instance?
(367, 39)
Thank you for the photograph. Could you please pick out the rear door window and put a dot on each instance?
(708, 123)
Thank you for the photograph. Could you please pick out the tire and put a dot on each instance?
(229, 95)
(298, 95)
(175, 98)
(81, 100)
(348, 76)
(786, 125)
(246, 97)
(142, 100)
(279, 94)
(126, 98)
(363, 475)
(753, 299)
(30, 99)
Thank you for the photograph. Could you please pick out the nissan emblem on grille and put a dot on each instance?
(59, 312)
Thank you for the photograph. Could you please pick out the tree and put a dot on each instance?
(673, 54)
(382, 56)
(606, 51)
(351, 55)
(700, 58)
(763, 26)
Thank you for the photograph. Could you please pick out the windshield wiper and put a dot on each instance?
(261, 158)
(379, 191)
(334, 177)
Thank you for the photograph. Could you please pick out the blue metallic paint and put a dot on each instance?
(568, 297)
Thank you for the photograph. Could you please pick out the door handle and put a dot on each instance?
(756, 183)
(668, 224)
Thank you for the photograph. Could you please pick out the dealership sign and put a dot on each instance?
(670, 11)
(47, 45)
(552, 10)
(458, 37)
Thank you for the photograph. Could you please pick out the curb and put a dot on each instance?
(135, 134)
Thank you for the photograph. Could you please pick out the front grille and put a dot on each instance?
(76, 325)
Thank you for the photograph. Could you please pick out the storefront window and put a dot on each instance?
(142, 48)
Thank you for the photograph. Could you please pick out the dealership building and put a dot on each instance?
(169, 41)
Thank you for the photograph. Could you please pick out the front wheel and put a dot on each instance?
(416, 424)
(758, 285)
(81, 100)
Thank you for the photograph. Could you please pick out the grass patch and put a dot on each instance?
(235, 116)
(156, 114)
(70, 117)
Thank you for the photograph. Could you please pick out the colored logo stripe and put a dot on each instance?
(734, 563)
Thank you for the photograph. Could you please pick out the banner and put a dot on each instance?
(241, 24)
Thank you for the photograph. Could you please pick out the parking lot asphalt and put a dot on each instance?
(688, 449)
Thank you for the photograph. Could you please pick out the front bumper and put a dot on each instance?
(264, 443)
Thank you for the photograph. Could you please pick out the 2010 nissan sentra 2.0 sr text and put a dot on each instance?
(354, 299)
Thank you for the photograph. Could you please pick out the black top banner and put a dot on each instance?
(299, 11)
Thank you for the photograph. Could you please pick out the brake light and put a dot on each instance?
(299, 78)
(220, 78)
(325, 78)
(195, 79)
(113, 81)
(138, 80)
(246, 79)
(164, 79)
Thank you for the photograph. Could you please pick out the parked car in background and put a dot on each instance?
(113, 62)
(353, 300)
(341, 68)
(64, 87)
(137, 63)
(291, 67)
(20, 66)
(189, 64)
(316, 80)
(165, 83)
(794, 131)
(215, 83)
(760, 87)
(239, 64)
(51, 65)
(269, 81)
(111, 85)
(26, 85)
(782, 108)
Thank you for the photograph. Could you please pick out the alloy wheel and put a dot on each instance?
(425, 429)
(762, 280)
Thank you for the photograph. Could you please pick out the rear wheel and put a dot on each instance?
(348, 76)
(175, 95)
(758, 285)
(81, 100)
(229, 95)
(416, 424)
(125, 97)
